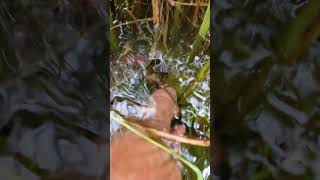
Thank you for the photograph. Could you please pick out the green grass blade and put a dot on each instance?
(204, 29)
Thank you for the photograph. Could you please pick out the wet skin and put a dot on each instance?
(133, 158)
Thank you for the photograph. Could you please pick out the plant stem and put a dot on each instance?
(168, 136)
(202, 74)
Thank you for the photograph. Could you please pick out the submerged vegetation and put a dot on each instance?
(176, 33)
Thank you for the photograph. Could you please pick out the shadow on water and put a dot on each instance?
(52, 90)
(267, 108)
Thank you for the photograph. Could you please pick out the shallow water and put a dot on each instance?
(267, 111)
(130, 85)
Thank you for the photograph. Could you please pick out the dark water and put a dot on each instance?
(52, 89)
(267, 112)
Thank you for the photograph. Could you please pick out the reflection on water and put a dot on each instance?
(52, 89)
(266, 111)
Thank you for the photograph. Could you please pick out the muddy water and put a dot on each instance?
(52, 89)
(267, 112)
